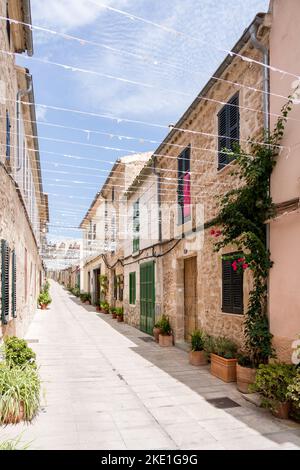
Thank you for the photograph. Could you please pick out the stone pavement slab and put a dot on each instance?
(106, 388)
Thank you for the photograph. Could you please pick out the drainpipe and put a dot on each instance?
(18, 101)
(266, 107)
(158, 199)
(266, 79)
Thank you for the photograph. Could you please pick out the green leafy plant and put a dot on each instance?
(113, 309)
(17, 352)
(242, 218)
(223, 347)
(119, 311)
(103, 280)
(244, 360)
(19, 393)
(165, 326)
(85, 297)
(198, 340)
(104, 306)
(272, 381)
(294, 392)
(44, 298)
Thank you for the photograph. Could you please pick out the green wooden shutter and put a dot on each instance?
(232, 288)
(136, 227)
(147, 296)
(13, 285)
(5, 281)
(132, 288)
(228, 129)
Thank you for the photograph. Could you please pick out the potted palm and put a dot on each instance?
(223, 359)
(165, 337)
(44, 300)
(156, 331)
(272, 382)
(197, 356)
(120, 314)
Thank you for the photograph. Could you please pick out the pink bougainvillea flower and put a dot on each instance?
(212, 232)
(234, 265)
(245, 265)
(218, 233)
(241, 260)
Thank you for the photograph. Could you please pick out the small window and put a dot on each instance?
(120, 280)
(8, 125)
(132, 288)
(228, 130)
(232, 286)
(115, 286)
(113, 194)
(136, 227)
(184, 186)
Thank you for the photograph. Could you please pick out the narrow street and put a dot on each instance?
(107, 388)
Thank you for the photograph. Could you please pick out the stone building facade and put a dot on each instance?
(104, 230)
(24, 206)
(192, 271)
(142, 263)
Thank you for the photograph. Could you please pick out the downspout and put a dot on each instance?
(266, 108)
(18, 101)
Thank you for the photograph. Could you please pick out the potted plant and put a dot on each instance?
(165, 337)
(272, 382)
(88, 299)
(120, 314)
(197, 356)
(17, 352)
(223, 359)
(157, 330)
(19, 393)
(113, 312)
(44, 300)
(294, 396)
(245, 373)
(98, 307)
(104, 306)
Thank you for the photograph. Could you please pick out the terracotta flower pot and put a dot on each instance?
(87, 302)
(43, 306)
(120, 318)
(156, 333)
(98, 309)
(224, 369)
(245, 376)
(282, 410)
(114, 315)
(197, 358)
(13, 419)
(165, 341)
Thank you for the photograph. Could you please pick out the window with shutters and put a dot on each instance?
(115, 286)
(120, 280)
(8, 125)
(232, 287)
(228, 130)
(13, 284)
(184, 186)
(136, 227)
(132, 288)
(4, 282)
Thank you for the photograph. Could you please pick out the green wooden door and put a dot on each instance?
(147, 297)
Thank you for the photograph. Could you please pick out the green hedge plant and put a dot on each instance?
(272, 382)
(17, 353)
(44, 298)
(165, 326)
(222, 347)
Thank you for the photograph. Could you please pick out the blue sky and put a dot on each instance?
(215, 24)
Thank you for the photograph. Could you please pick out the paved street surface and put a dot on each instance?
(107, 388)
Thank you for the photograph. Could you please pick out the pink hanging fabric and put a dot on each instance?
(187, 195)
